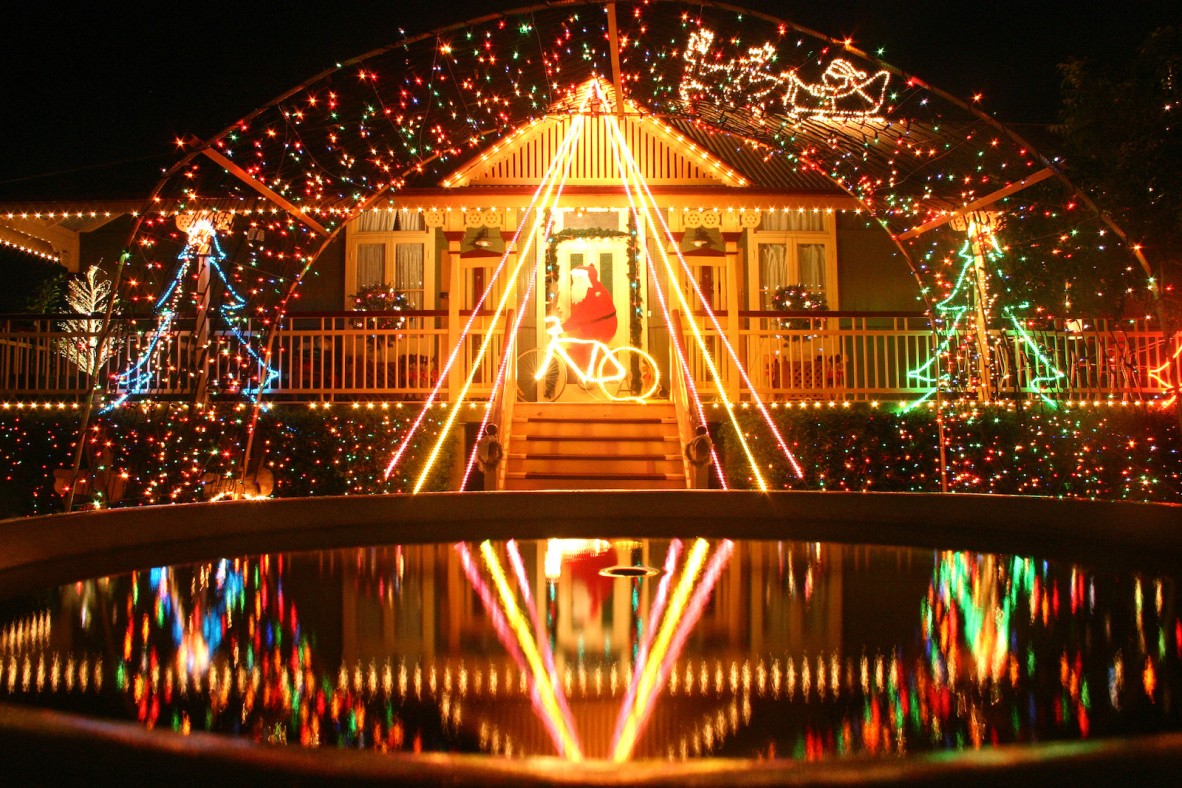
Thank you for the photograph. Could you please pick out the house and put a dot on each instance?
(666, 189)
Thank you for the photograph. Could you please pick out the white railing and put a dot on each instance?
(840, 355)
(342, 355)
(881, 356)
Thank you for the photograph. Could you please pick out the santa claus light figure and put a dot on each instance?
(592, 313)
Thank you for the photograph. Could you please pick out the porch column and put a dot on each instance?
(454, 273)
(733, 325)
(201, 335)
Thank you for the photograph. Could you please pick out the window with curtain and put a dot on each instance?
(810, 259)
(792, 221)
(371, 265)
(408, 273)
(376, 221)
(773, 271)
(410, 220)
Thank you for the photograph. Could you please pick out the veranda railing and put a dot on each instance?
(832, 355)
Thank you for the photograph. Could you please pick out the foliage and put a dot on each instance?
(798, 298)
(1122, 132)
(635, 302)
(88, 294)
(1045, 272)
(166, 449)
(1030, 450)
(30, 285)
(381, 298)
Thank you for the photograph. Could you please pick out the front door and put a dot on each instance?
(590, 291)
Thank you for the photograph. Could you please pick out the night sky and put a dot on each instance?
(94, 95)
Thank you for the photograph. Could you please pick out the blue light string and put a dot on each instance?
(137, 377)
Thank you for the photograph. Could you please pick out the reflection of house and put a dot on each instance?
(802, 650)
(773, 623)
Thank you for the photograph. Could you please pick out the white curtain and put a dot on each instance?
(408, 272)
(410, 220)
(773, 270)
(811, 258)
(376, 221)
(792, 221)
(371, 265)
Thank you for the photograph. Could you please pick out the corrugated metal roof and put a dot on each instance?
(763, 166)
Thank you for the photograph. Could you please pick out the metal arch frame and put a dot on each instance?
(330, 232)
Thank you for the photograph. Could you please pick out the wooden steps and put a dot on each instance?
(599, 446)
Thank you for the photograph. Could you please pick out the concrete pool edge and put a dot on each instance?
(44, 551)
(48, 746)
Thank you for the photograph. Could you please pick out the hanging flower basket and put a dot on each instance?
(798, 298)
(381, 298)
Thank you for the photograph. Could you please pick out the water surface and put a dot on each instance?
(752, 649)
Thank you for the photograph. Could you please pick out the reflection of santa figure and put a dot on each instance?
(592, 313)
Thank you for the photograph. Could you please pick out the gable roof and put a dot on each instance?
(665, 156)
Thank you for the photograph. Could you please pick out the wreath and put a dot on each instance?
(798, 298)
(382, 298)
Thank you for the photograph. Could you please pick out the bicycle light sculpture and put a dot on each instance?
(607, 368)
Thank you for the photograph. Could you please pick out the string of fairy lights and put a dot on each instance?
(910, 154)
(416, 113)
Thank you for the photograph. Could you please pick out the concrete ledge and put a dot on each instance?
(46, 747)
(45, 551)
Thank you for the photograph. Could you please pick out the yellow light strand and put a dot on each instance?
(685, 586)
(529, 649)
(620, 145)
(547, 188)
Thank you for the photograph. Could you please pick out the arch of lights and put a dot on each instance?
(290, 175)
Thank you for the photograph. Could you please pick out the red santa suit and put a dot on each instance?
(592, 313)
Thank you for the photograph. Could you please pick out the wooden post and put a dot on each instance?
(977, 226)
(455, 297)
(733, 326)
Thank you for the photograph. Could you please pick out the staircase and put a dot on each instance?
(594, 446)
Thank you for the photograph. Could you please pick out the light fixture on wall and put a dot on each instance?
(701, 238)
(482, 240)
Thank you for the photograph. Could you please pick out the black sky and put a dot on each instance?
(84, 87)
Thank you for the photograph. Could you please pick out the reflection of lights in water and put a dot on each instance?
(900, 702)
(508, 618)
(558, 550)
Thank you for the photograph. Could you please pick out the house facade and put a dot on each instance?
(671, 212)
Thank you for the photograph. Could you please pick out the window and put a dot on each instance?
(773, 271)
(371, 265)
(810, 265)
(390, 248)
(408, 272)
(793, 248)
(792, 222)
(606, 273)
